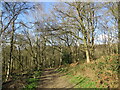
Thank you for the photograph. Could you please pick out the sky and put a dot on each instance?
(99, 35)
(48, 6)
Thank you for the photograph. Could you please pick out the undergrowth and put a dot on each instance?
(101, 73)
(32, 81)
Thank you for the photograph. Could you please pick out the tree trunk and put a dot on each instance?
(10, 67)
(87, 56)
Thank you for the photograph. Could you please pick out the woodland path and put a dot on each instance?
(53, 79)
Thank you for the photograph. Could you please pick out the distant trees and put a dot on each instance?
(113, 29)
(67, 34)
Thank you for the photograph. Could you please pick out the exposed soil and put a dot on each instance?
(49, 79)
(53, 79)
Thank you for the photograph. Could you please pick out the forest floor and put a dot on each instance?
(47, 78)
(101, 73)
(51, 78)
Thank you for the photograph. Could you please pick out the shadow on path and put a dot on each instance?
(53, 79)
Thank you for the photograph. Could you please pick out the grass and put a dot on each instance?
(82, 82)
(90, 75)
(32, 82)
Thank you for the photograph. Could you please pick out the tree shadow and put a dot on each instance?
(75, 84)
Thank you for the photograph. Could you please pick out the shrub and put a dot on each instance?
(66, 58)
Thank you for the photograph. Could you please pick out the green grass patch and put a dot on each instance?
(82, 82)
(37, 73)
(32, 82)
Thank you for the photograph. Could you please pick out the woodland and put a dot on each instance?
(59, 45)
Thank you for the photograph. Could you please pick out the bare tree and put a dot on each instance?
(10, 13)
(84, 21)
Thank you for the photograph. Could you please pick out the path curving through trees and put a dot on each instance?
(53, 79)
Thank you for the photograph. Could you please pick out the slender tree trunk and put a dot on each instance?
(93, 29)
(10, 67)
(60, 56)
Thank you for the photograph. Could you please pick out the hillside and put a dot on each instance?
(102, 73)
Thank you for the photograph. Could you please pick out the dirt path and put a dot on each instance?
(53, 79)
